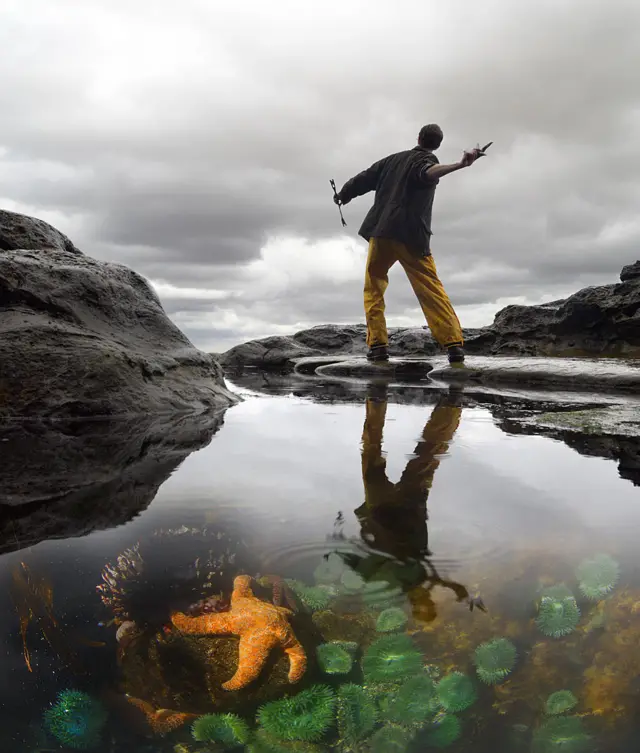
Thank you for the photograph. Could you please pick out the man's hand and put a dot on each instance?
(468, 158)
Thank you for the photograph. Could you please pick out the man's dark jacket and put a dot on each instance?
(404, 198)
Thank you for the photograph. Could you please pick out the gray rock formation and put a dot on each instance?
(68, 478)
(596, 321)
(80, 337)
(630, 272)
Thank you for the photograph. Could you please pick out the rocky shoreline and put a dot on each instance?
(602, 321)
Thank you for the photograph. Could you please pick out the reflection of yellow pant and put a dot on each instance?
(436, 306)
(394, 516)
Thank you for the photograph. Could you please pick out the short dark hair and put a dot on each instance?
(430, 136)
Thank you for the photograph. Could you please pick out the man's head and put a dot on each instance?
(430, 136)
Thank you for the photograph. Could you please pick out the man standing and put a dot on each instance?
(398, 228)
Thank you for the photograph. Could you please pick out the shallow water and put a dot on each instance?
(429, 508)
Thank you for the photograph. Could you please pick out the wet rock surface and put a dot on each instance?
(599, 375)
(596, 321)
(68, 478)
(84, 338)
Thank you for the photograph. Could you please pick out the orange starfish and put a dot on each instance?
(161, 721)
(261, 627)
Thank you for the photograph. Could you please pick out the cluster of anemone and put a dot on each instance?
(306, 716)
(76, 720)
(225, 729)
(494, 660)
(456, 692)
(357, 714)
(558, 612)
(560, 702)
(334, 658)
(597, 577)
(412, 704)
(391, 658)
(391, 620)
(561, 733)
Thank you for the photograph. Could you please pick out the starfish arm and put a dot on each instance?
(242, 588)
(297, 661)
(215, 624)
(253, 652)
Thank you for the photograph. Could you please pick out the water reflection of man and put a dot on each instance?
(393, 518)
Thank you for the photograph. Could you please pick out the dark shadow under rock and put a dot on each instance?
(68, 478)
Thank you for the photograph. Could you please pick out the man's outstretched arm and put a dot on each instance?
(429, 172)
(362, 183)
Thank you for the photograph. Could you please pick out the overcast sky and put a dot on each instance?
(194, 142)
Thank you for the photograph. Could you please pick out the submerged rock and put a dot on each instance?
(81, 337)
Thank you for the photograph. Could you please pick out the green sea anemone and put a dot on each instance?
(350, 646)
(597, 577)
(378, 594)
(412, 704)
(444, 731)
(391, 619)
(558, 612)
(334, 659)
(76, 720)
(352, 581)
(391, 739)
(456, 692)
(228, 729)
(263, 743)
(357, 713)
(562, 733)
(329, 570)
(314, 598)
(494, 660)
(391, 658)
(560, 702)
(305, 716)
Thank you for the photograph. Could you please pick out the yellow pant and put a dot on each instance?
(436, 306)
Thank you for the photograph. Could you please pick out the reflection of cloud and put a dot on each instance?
(200, 146)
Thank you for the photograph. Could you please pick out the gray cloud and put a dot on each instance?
(185, 142)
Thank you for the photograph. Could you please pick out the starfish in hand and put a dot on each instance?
(261, 627)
